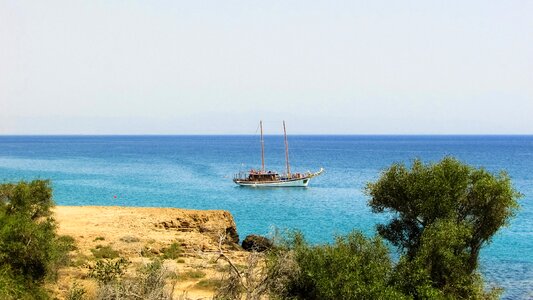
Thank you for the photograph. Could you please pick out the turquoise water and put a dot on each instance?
(196, 171)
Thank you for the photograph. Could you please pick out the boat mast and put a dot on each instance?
(262, 148)
(287, 151)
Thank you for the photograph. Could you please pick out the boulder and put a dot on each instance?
(256, 243)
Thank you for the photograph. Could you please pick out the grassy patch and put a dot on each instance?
(192, 274)
(67, 242)
(79, 260)
(104, 252)
(172, 252)
(147, 252)
(129, 239)
(209, 284)
(76, 292)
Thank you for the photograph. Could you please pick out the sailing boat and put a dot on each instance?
(263, 178)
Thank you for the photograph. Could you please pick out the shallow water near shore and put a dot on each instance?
(196, 171)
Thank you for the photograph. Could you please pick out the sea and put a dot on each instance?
(196, 172)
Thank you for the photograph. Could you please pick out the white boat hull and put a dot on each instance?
(293, 182)
(282, 183)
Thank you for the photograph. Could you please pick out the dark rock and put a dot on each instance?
(256, 243)
(231, 235)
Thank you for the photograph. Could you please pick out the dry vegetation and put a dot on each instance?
(181, 261)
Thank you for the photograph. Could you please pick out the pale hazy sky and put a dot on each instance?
(218, 67)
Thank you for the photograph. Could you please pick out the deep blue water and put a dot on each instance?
(196, 171)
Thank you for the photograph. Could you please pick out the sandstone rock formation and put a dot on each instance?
(212, 223)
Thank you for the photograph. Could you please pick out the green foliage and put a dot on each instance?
(172, 252)
(13, 287)
(76, 292)
(60, 256)
(79, 260)
(192, 274)
(104, 252)
(148, 283)
(443, 214)
(10, 286)
(30, 251)
(107, 270)
(32, 199)
(209, 284)
(151, 280)
(354, 267)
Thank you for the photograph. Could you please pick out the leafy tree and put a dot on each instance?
(442, 215)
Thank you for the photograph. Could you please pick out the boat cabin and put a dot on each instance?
(269, 176)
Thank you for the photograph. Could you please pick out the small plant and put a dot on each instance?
(67, 242)
(193, 274)
(79, 260)
(180, 261)
(76, 292)
(172, 252)
(99, 238)
(129, 239)
(209, 284)
(146, 251)
(150, 282)
(222, 268)
(105, 271)
(104, 252)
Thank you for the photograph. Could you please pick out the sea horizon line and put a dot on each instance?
(294, 134)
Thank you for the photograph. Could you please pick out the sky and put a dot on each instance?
(218, 67)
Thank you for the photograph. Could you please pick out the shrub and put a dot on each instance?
(104, 252)
(75, 292)
(354, 267)
(192, 274)
(107, 270)
(148, 283)
(30, 251)
(172, 252)
(209, 284)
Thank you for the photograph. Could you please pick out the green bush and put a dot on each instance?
(148, 283)
(354, 267)
(172, 252)
(104, 252)
(107, 270)
(30, 250)
(209, 284)
(192, 274)
(76, 292)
